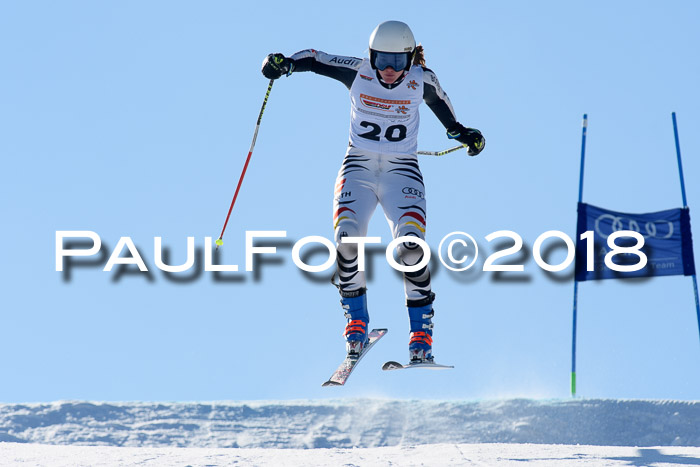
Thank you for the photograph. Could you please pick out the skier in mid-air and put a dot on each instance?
(381, 166)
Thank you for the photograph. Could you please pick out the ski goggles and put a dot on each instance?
(397, 61)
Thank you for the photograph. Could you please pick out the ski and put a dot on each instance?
(398, 366)
(343, 372)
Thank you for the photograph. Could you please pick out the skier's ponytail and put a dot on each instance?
(419, 56)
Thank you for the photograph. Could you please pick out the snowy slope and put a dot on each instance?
(365, 423)
(487, 455)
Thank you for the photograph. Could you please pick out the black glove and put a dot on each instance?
(472, 137)
(276, 65)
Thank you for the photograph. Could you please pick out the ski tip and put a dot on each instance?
(392, 366)
(331, 383)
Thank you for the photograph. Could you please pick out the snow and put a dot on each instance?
(352, 432)
(427, 455)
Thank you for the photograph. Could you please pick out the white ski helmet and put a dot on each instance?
(392, 37)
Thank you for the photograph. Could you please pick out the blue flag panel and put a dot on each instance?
(668, 243)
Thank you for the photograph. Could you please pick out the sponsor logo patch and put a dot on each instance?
(387, 105)
(344, 61)
(413, 192)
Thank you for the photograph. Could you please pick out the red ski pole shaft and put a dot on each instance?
(220, 241)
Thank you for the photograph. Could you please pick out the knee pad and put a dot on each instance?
(346, 228)
(409, 252)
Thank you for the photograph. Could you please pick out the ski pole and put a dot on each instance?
(441, 153)
(220, 240)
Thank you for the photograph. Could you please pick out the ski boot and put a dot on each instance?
(420, 313)
(355, 305)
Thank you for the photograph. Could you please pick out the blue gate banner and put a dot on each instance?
(668, 243)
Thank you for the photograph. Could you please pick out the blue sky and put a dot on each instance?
(134, 119)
